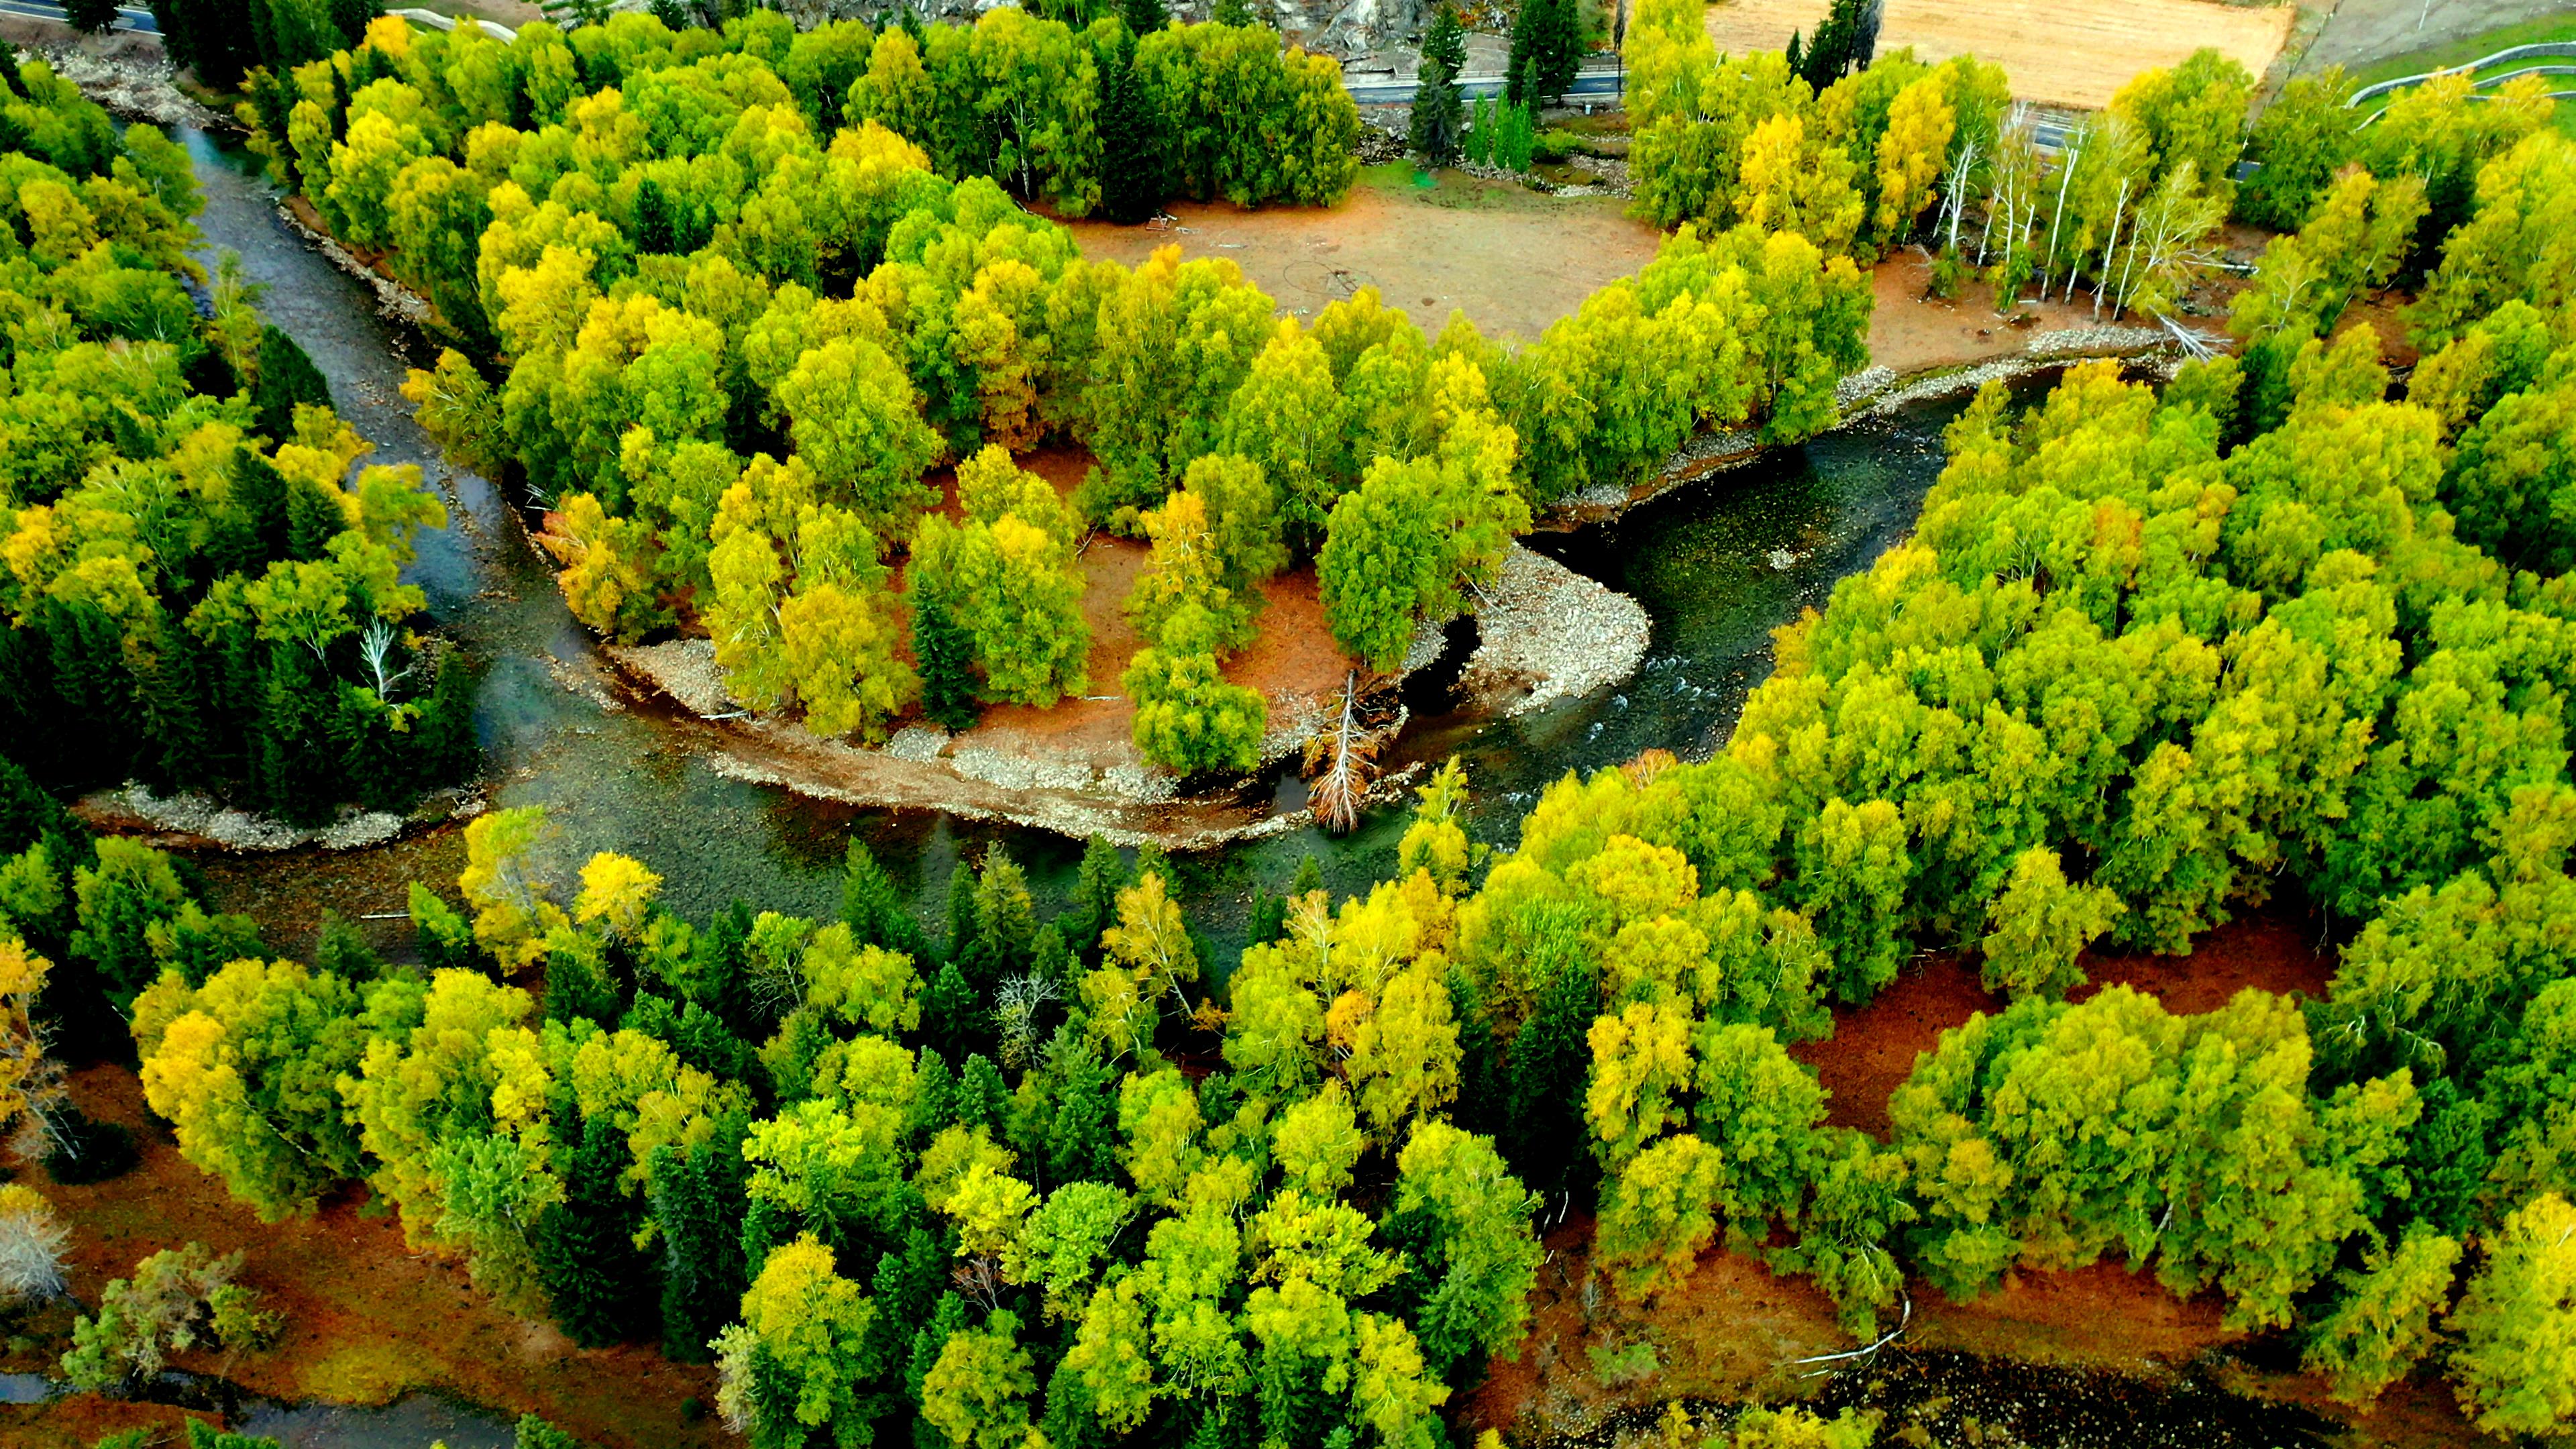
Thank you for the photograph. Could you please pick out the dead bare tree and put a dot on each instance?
(1337, 766)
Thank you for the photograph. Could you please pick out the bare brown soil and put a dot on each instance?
(1291, 658)
(367, 1317)
(1512, 259)
(2058, 52)
(1872, 1050)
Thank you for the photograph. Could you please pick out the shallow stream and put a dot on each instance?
(1717, 566)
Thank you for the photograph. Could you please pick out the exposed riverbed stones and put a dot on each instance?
(1548, 633)
(194, 820)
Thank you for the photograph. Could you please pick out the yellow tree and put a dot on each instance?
(512, 909)
(1910, 155)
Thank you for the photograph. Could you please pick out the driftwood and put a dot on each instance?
(1338, 766)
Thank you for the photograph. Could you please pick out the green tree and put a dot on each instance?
(1547, 50)
(2515, 1367)
(793, 1366)
(2383, 1324)
(2040, 925)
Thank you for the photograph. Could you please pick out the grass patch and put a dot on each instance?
(2475, 47)
(370, 1375)
(2460, 52)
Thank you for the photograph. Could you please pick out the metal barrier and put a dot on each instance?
(432, 20)
(2513, 52)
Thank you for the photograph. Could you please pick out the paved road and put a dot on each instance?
(1591, 85)
(136, 20)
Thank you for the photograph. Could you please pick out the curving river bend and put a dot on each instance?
(1717, 565)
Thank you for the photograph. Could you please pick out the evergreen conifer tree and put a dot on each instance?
(1094, 907)
(1439, 117)
(1132, 142)
(944, 656)
(1309, 876)
(697, 1203)
(1144, 17)
(595, 1278)
(1543, 1129)
(951, 1016)
(285, 377)
(874, 909)
(982, 1098)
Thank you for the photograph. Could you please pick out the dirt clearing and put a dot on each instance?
(368, 1319)
(1511, 259)
(2058, 52)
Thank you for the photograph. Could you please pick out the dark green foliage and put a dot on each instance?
(982, 1098)
(697, 1201)
(444, 936)
(578, 986)
(964, 923)
(1269, 918)
(875, 910)
(342, 949)
(1439, 115)
(90, 15)
(1094, 907)
(1445, 43)
(1547, 50)
(285, 378)
(1134, 146)
(1543, 1131)
(944, 655)
(597, 1281)
(1144, 17)
(952, 1015)
(1844, 41)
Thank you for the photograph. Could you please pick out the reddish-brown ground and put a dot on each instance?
(1512, 259)
(1291, 658)
(1872, 1050)
(367, 1318)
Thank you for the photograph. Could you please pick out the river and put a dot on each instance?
(1717, 565)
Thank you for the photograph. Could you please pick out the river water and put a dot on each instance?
(1717, 566)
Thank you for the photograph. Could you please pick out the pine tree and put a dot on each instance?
(874, 909)
(982, 1098)
(951, 1017)
(697, 1204)
(594, 1276)
(1133, 148)
(1439, 114)
(943, 655)
(964, 922)
(1269, 918)
(1550, 1059)
(1094, 908)
(1446, 41)
(285, 377)
(1144, 17)
(1309, 876)
(1547, 50)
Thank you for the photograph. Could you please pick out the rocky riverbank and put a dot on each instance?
(1545, 634)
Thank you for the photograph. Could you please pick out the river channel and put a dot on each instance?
(1717, 565)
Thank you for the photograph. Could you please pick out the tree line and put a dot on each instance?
(199, 574)
(2126, 204)
(2150, 660)
(675, 283)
